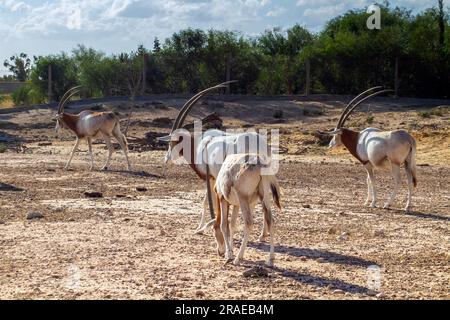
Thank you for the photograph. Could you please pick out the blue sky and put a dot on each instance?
(41, 27)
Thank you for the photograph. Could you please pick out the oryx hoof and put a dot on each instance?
(199, 231)
(237, 261)
(229, 259)
(262, 238)
(269, 262)
(386, 206)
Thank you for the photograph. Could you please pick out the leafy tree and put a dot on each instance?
(64, 74)
(19, 65)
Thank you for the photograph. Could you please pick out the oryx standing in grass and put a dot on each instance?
(376, 149)
(205, 154)
(89, 125)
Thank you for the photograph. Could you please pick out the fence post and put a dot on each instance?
(144, 73)
(50, 94)
(308, 78)
(396, 80)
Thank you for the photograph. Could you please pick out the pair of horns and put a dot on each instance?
(357, 101)
(184, 111)
(66, 97)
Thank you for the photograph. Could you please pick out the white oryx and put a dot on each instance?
(90, 124)
(242, 180)
(211, 147)
(376, 149)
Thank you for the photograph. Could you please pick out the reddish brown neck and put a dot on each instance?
(192, 161)
(70, 121)
(349, 139)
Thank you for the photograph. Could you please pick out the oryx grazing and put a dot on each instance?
(205, 153)
(90, 125)
(377, 149)
(244, 179)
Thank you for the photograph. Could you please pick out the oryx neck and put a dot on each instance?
(70, 121)
(349, 139)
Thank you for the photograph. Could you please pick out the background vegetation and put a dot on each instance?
(345, 57)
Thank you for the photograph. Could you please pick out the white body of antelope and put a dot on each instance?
(211, 147)
(242, 182)
(375, 148)
(91, 125)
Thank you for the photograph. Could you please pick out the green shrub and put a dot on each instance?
(438, 112)
(27, 95)
(369, 119)
(2, 148)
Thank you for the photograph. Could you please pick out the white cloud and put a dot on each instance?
(14, 6)
(276, 12)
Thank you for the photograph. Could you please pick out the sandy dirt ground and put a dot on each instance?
(133, 244)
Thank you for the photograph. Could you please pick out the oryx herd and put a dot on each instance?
(238, 173)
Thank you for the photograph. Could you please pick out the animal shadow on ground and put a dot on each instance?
(316, 281)
(423, 215)
(327, 256)
(8, 187)
(143, 174)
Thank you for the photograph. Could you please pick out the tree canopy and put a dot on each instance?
(345, 57)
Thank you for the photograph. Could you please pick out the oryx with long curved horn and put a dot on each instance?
(89, 125)
(206, 152)
(375, 148)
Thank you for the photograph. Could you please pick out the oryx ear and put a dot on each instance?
(164, 139)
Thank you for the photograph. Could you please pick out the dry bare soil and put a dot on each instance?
(140, 244)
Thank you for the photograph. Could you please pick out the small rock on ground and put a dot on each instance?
(256, 271)
(93, 194)
(34, 215)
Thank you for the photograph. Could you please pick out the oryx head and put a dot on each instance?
(64, 100)
(177, 135)
(336, 141)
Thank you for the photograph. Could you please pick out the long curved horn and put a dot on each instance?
(362, 100)
(182, 114)
(62, 101)
(340, 122)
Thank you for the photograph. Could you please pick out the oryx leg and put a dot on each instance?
(248, 224)
(75, 147)
(110, 151)
(371, 186)
(265, 231)
(265, 206)
(224, 227)
(395, 170)
(122, 140)
(201, 225)
(269, 222)
(233, 222)
(409, 176)
(91, 156)
(369, 191)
